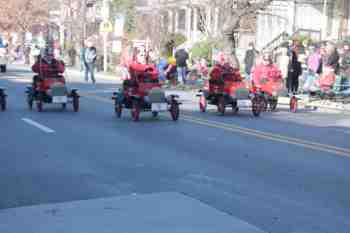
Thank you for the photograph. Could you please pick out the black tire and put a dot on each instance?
(135, 111)
(3, 104)
(155, 114)
(40, 102)
(3, 68)
(118, 109)
(39, 105)
(64, 106)
(30, 101)
(76, 104)
(265, 104)
(235, 108)
(175, 111)
(273, 104)
(221, 105)
(258, 105)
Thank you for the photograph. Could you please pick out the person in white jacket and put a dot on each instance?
(283, 62)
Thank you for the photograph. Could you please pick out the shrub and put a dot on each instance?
(172, 41)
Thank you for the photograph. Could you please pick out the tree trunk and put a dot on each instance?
(229, 42)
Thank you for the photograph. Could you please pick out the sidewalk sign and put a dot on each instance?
(106, 27)
(119, 25)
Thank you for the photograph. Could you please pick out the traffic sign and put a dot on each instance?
(119, 25)
(106, 27)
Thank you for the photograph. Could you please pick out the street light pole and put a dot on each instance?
(294, 16)
(325, 20)
(105, 35)
(84, 23)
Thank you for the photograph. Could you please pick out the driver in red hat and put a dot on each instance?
(47, 66)
(266, 70)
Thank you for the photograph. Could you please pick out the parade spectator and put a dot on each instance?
(27, 53)
(294, 71)
(345, 61)
(328, 69)
(125, 61)
(314, 59)
(249, 59)
(35, 52)
(161, 67)
(345, 68)
(171, 71)
(72, 53)
(181, 57)
(90, 62)
(283, 62)
(331, 58)
(82, 58)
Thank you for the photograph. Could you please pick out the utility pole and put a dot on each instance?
(295, 16)
(325, 20)
(106, 9)
(84, 8)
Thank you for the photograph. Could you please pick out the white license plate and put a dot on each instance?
(244, 103)
(159, 107)
(59, 99)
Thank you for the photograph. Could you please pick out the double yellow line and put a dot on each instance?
(252, 132)
(269, 136)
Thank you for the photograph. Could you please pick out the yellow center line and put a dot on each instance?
(296, 142)
(243, 129)
(252, 132)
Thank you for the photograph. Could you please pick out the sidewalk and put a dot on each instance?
(98, 75)
(323, 105)
(152, 213)
(188, 96)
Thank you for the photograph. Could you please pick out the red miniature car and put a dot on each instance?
(267, 82)
(227, 88)
(49, 86)
(143, 92)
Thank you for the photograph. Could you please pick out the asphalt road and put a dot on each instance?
(282, 172)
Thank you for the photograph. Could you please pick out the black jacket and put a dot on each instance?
(249, 60)
(181, 57)
(294, 67)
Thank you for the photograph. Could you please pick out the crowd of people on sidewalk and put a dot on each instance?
(304, 67)
(317, 66)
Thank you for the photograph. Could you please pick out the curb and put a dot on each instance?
(306, 105)
(97, 75)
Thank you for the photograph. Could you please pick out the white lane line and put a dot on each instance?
(37, 125)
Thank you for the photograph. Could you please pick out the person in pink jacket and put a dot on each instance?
(266, 71)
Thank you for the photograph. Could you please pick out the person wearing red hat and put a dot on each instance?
(47, 66)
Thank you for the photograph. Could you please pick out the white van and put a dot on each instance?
(3, 60)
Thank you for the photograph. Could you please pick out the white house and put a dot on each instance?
(319, 18)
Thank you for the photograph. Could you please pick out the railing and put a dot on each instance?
(276, 42)
(283, 37)
(313, 34)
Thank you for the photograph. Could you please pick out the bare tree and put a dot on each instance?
(22, 15)
(232, 14)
